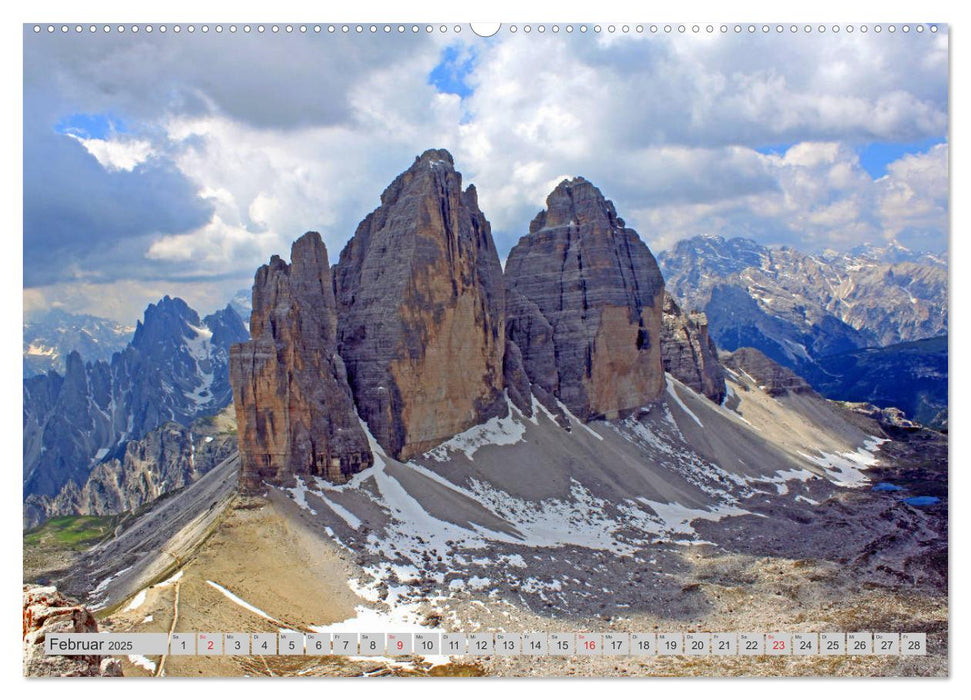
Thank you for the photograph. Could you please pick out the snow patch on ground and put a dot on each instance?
(846, 468)
(363, 590)
(173, 578)
(576, 421)
(299, 495)
(347, 516)
(200, 349)
(242, 603)
(540, 408)
(515, 560)
(97, 605)
(140, 660)
(439, 479)
(581, 520)
(495, 431)
(137, 601)
(782, 477)
(677, 518)
(398, 617)
(41, 351)
(672, 392)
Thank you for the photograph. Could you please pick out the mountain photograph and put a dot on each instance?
(562, 352)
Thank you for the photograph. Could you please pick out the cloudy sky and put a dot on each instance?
(176, 164)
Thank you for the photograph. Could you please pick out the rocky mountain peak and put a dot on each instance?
(294, 407)
(227, 327)
(692, 260)
(577, 202)
(798, 307)
(174, 369)
(584, 297)
(432, 170)
(306, 277)
(420, 310)
(74, 367)
(436, 157)
(169, 318)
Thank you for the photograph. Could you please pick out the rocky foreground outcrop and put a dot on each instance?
(772, 378)
(889, 417)
(294, 407)
(420, 311)
(584, 305)
(46, 611)
(688, 352)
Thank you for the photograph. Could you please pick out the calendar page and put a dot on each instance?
(547, 349)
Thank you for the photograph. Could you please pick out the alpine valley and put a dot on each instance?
(408, 436)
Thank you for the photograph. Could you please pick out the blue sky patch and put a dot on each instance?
(90, 126)
(452, 70)
(776, 149)
(876, 156)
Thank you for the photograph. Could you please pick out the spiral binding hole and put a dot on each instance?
(511, 29)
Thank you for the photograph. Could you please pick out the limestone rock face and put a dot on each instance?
(515, 380)
(421, 312)
(585, 296)
(528, 330)
(772, 377)
(46, 611)
(293, 404)
(688, 353)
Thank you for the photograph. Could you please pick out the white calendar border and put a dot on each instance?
(507, 10)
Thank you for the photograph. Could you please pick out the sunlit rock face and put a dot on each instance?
(421, 311)
(293, 405)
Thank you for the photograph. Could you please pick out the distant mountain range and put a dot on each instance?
(51, 336)
(796, 307)
(166, 459)
(799, 309)
(174, 369)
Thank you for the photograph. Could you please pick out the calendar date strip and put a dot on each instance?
(566, 644)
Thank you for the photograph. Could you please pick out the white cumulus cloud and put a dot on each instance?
(117, 153)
